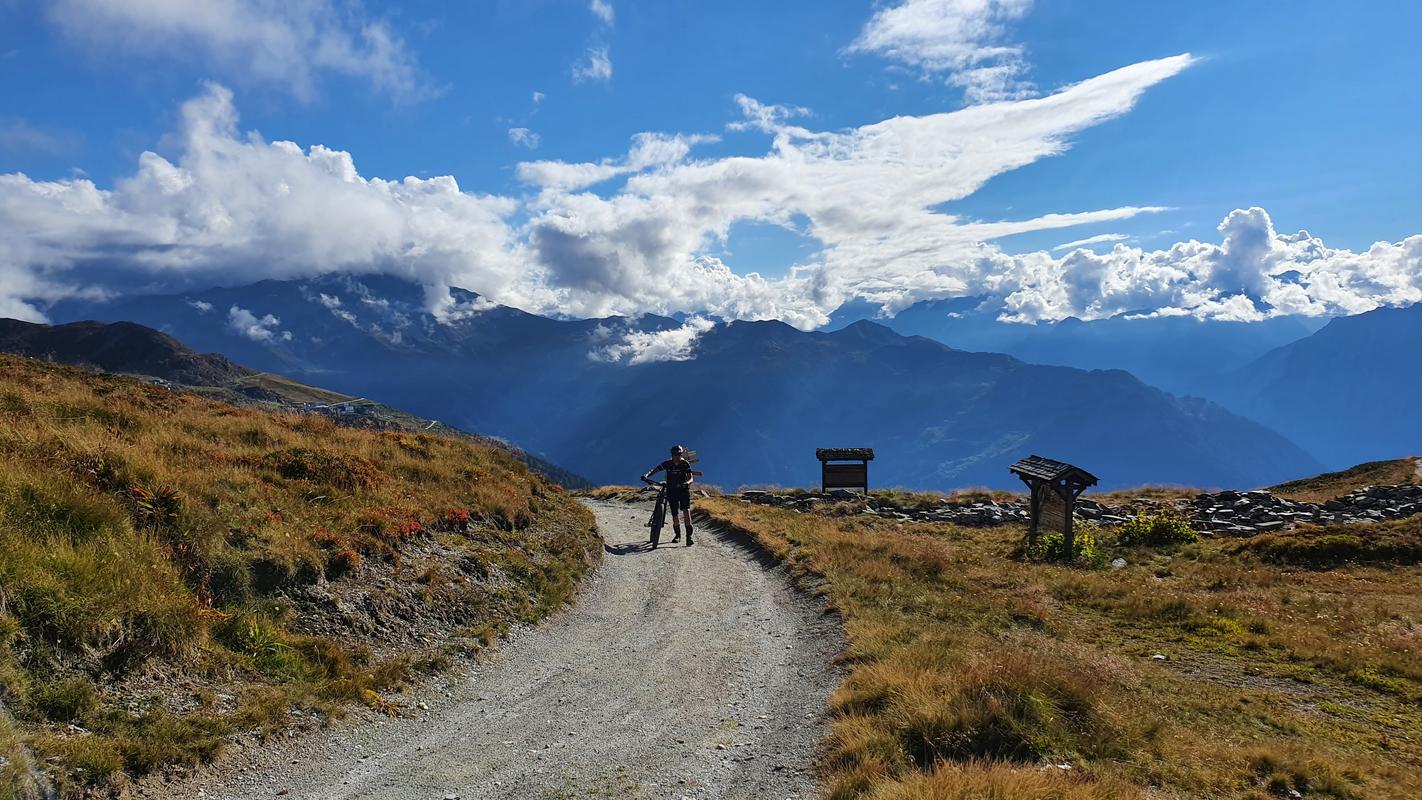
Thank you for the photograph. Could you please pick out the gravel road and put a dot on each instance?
(689, 672)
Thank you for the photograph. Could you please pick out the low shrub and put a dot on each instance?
(1052, 546)
(1162, 529)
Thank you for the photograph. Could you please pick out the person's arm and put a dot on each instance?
(647, 476)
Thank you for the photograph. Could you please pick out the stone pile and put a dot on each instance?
(1260, 512)
(1228, 513)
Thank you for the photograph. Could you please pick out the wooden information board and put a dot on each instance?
(846, 476)
(1052, 513)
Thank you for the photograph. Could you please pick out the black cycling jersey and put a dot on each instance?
(678, 471)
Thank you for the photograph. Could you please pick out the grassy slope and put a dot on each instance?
(1329, 485)
(971, 670)
(155, 547)
(1330, 546)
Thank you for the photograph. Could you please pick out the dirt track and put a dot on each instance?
(682, 672)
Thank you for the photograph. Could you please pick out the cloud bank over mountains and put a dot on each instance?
(632, 234)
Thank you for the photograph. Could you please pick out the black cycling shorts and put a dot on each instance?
(679, 498)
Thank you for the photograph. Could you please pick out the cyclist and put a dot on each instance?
(679, 477)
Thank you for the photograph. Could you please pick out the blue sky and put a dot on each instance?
(1309, 111)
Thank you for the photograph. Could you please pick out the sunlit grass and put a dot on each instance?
(147, 530)
(974, 672)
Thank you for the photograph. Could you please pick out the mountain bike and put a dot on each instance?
(659, 511)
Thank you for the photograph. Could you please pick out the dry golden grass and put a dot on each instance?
(142, 527)
(624, 494)
(976, 674)
(1327, 546)
(1325, 487)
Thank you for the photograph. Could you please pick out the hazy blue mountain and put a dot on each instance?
(1349, 393)
(1179, 354)
(756, 399)
(119, 347)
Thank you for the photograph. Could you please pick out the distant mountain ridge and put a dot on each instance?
(1349, 393)
(118, 347)
(756, 398)
(1181, 354)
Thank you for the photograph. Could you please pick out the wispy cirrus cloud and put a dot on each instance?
(289, 45)
(18, 136)
(596, 65)
(1100, 238)
(523, 137)
(602, 9)
(963, 41)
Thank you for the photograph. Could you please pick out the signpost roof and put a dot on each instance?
(845, 454)
(1048, 470)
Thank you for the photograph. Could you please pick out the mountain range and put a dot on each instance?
(1181, 354)
(605, 397)
(1349, 393)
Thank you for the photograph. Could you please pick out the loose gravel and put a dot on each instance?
(682, 672)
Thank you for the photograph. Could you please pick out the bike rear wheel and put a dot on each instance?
(659, 517)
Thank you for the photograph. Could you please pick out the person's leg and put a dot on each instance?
(676, 516)
(687, 512)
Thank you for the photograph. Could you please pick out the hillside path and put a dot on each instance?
(680, 673)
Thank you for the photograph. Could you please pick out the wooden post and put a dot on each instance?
(1036, 509)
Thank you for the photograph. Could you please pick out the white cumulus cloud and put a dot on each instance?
(232, 202)
(646, 347)
(258, 329)
(225, 205)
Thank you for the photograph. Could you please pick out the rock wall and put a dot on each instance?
(1226, 513)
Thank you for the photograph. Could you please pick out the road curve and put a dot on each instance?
(684, 672)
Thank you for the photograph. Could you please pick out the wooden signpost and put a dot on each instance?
(838, 469)
(1055, 485)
